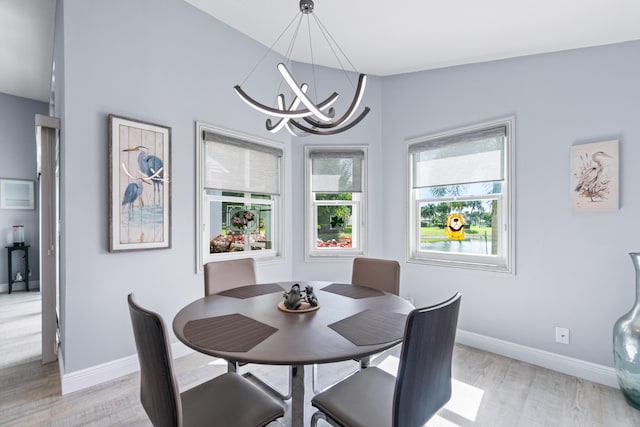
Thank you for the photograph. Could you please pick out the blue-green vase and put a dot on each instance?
(626, 345)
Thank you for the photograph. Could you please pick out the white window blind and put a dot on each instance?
(459, 159)
(238, 165)
(336, 171)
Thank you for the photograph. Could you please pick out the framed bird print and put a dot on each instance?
(139, 185)
(594, 176)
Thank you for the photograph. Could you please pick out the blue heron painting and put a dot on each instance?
(150, 165)
(147, 222)
(140, 187)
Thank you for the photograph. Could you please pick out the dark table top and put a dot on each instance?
(245, 325)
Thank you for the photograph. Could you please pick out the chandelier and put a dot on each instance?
(302, 115)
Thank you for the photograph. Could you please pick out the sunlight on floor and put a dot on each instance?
(217, 362)
(465, 399)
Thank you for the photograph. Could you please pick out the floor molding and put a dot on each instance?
(556, 362)
(89, 377)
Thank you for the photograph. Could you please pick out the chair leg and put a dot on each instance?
(319, 415)
(365, 362)
(314, 379)
(235, 367)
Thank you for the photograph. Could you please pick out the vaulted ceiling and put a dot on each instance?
(379, 37)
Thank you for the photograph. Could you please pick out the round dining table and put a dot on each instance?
(246, 324)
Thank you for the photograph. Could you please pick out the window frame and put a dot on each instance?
(312, 253)
(203, 201)
(504, 262)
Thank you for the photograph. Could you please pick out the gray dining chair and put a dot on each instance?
(375, 273)
(380, 274)
(221, 401)
(220, 276)
(375, 398)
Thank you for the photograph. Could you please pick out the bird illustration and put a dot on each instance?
(592, 182)
(150, 165)
(132, 193)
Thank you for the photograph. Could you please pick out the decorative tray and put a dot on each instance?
(305, 307)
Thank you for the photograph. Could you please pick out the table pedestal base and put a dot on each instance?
(297, 397)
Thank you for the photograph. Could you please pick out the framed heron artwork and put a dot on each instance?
(139, 185)
(594, 176)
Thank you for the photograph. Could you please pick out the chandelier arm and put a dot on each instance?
(282, 113)
(294, 131)
(357, 98)
(305, 100)
(331, 131)
(294, 105)
(280, 123)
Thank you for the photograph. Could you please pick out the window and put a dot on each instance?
(239, 182)
(335, 201)
(461, 204)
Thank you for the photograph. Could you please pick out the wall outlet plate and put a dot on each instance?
(562, 335)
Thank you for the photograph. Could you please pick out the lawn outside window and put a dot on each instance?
(464, 175)
(335, 201)
(239, 205)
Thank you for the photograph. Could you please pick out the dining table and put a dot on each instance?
(249, 324)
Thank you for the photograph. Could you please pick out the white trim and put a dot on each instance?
(89, 377)
(278, 236)
(47, 121)
(600, 374)
(567, 365)
(505, 261)
(311, 254)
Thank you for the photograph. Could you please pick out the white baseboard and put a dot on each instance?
(89, 377)
(567, 365)
(95, 375)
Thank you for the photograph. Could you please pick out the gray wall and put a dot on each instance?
(18, 161)
(572, 268)
(164, 61)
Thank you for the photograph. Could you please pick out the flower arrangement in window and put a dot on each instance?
(241, 219)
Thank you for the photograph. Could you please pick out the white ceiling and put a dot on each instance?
(398, 36)
(379, 38)
(26, 47)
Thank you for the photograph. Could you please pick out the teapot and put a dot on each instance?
(293, 298)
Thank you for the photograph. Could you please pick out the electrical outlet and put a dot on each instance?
(562, 335)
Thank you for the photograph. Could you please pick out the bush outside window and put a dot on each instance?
(335, 201)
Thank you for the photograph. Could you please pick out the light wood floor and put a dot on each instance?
(489, 390)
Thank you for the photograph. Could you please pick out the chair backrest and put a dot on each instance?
(423, 384)
(381, 274)
(159, 391)
(220, 276)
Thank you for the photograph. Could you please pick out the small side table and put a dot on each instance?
(25, 276)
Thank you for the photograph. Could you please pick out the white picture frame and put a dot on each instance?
(595, 176)
(17, 194)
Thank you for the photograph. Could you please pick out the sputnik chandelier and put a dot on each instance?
(302, 116)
